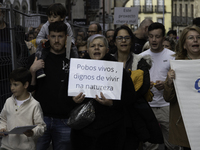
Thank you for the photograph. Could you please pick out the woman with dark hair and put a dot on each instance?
(124, 41)
(188, 49)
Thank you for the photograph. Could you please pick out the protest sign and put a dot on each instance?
(94, 76)
(33, 21)
(187, 86)
(126, 15)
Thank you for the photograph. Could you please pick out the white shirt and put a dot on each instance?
(158, 71)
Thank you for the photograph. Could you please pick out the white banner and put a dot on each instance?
(126, 15)
(187, 85)
(94, 76)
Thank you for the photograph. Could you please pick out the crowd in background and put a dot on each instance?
(147, 83)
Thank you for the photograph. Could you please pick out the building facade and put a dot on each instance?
(157, 10)
(184, 11)
(22, 5)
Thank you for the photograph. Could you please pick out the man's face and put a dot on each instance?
(156, 40)
(173, 36)
(57, 42)
(92, 30)
(109, 36)
(81, 34)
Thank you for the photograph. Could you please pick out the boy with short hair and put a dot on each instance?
(21, 109)
(56, 12)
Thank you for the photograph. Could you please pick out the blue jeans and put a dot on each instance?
(58, 132)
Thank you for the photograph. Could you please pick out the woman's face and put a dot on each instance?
(97, 49)
(192, 43)
(123, 41)
(166, 44)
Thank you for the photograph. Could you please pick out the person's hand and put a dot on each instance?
(79, 98)
(159, 85)
(29, 133)
(170, 76)
(37, 64)
(43, 41)
(103, 100)
(3, 130)
(151, 84)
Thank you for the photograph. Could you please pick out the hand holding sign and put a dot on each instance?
(103, 100)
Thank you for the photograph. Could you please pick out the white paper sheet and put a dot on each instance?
(94, 76)
(187, 85)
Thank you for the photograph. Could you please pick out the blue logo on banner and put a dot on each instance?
(197, 87)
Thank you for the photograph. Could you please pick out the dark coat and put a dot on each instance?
(114, 128)
(151, 124)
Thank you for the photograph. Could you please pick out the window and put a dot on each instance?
(192, 11)
(148, 6)
(160, 6)
(148, 2)
(175, 12)
(160, 20)
(180, 10)
(136, 2)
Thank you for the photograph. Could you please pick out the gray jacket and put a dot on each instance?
(45, 31)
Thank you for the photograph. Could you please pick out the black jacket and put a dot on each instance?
(119, 118)
(50, 90)
(151, 125)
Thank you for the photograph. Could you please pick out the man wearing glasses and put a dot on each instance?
(94, 28)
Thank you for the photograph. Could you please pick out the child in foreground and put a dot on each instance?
(21, 109)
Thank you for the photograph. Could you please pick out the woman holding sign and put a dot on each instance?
(109, 129)
(189, 48)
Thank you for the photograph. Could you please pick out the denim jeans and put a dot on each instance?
(58, 132)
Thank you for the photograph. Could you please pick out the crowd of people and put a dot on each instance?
(147, 113)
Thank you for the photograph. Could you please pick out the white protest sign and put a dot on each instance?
(187, 85)
(32, 21)
(128, 15)
(94, 76)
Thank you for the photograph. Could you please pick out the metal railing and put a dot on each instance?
(13, 49)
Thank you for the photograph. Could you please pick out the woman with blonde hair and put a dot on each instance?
(188, 49)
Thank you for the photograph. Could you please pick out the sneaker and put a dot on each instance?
(40, 73)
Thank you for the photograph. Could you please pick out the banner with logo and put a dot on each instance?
(187, 85)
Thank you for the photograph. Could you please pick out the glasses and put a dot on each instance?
(91, 32)
(192, 38)
(126, 38)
